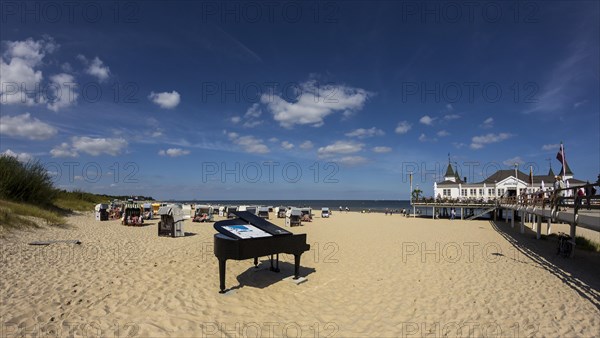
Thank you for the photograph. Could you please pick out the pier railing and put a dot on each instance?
(556, 200)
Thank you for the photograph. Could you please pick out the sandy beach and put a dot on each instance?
(367, 275)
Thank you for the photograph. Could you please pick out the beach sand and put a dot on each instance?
(367, 275)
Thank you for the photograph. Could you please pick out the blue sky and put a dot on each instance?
(293, 100)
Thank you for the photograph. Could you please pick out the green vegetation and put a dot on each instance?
(586, 244)
(581, 243)
(28, 197)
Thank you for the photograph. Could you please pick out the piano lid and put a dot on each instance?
(248, 226)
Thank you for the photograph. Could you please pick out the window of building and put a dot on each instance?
(463, 192)
(472, 192)
(481, 192)
(500, 192)
(446, 192)
(491, 192)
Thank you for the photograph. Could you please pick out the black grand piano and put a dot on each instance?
(249, 236)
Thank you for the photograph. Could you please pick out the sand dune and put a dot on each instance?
(368, 275)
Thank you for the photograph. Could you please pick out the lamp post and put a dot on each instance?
(410, 177)
(414, 211)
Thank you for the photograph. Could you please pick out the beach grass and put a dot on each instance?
(18, 215)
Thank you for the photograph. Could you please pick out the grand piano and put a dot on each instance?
(249, 236)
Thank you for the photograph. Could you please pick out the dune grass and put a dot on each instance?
(581, 243)
(14, 215)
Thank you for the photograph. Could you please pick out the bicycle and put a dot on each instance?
(565, 247)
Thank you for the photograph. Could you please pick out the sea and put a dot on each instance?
(334, 205)
(378, 206)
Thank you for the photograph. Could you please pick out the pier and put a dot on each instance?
(558, 206)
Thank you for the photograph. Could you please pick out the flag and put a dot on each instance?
(561, 157)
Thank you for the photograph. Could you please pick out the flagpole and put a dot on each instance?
(562, 150)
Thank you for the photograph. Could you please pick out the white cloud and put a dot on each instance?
(511, 161)
(427, 120)
(449, 107)
(252, 115)
(273, 140)
(91, 146)
(340, 147)
(364, 133)
(18, 72)
(22, 157)
(287, 145)
(382, 149)
(250, 144)
(351, 160)
(423, 138)
(313, 103)
(157, 133)
(173, 152)
(165, 100)
(478, 142)
(26, 127)
(451, 117)
(63, 150)
(458, 145)
(443, 133)
(95, 68)
(548, 147)
(306, 145)
(235, 119)
(403, 127)
(488, 123)
(64, 93)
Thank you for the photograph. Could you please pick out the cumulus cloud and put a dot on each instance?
(91, 146)
(63, 150)
(24, 126)
(19, 70)
(165, 99)
(64, 93)
(427, 120)
(95, 67)
(403, 127)
(22, 157)
(287, 145)
(382, 149)
(340, 147)
(478, 142)
(313, 103)
(443, 133)
(364, 133)
(249, 143)
(173, 152)
(306, 145)
(235, 119)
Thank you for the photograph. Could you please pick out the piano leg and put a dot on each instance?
(222, 274)
(276, 268)
(296, 266)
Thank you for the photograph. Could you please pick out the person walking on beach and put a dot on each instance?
(452, 213)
